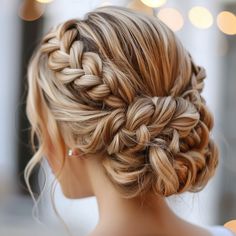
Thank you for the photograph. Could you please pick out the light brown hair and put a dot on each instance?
(119, 83)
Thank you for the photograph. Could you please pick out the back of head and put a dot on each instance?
(119, 83)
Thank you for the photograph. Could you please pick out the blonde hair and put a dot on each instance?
(119, 83)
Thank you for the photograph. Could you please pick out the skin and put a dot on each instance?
(84, 177)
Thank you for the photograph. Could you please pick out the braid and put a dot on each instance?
(81, 69)
(174, 133)
(116, 97)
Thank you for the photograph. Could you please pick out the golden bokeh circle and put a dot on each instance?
(172, 18)
(226, 22)
(154, 3)
(200, 17)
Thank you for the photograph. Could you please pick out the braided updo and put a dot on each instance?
(121, 84)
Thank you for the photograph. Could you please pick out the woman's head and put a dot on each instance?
(119, 86)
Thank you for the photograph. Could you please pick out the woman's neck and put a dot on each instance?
(139, 215)
(148, 217)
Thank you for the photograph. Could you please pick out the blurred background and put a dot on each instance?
(206, 28)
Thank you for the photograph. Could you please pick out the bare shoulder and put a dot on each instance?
(100, 233)
(193, 231)
(186, 228)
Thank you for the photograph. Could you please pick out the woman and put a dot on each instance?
(115, 101)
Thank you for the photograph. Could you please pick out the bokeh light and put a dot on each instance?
(172, 18)
(231, 225)
(44, 1)
(226, 22)
(31, 10)
(140, 6)
(105, 3)
(200, 17)
(154, 3)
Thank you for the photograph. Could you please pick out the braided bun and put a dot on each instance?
(120, 83)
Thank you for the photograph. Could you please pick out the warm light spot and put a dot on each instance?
(105, 3)
(154, 3)
(231, 225)
(172, 18)
(200, 17)
(44, 1)
(31, 10)
(139, 6)
(226, 22)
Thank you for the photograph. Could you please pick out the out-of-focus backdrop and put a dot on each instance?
(206, 28)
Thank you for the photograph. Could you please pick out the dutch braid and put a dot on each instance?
(153, 142)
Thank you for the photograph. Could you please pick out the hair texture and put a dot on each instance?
(119, 83)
